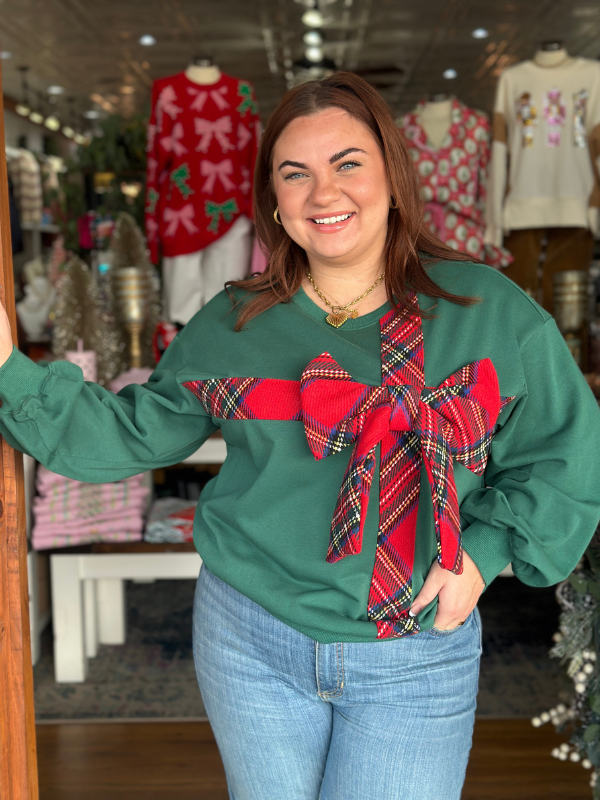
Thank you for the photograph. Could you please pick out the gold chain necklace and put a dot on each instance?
(339, 314)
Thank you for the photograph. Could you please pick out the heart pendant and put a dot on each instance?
(337, 319)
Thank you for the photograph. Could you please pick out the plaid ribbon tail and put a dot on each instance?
(445, 513)
(351, 507)
(391, 586)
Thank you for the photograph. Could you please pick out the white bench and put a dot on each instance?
(88, 590)
(88, 601)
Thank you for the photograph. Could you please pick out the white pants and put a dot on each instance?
(190, 281)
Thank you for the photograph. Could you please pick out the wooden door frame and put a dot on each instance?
(18, 760)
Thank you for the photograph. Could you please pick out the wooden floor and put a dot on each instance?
(180, 761)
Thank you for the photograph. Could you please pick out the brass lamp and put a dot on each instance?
(131, 295)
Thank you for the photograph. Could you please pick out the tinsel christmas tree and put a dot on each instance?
(577, 644)
(80, 313)
(128, 249)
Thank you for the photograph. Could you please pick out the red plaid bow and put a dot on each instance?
(414, 425)
(452, 421)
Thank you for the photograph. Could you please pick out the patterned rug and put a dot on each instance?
(152, 675)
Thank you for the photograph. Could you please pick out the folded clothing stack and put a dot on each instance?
(171, 519)
(69, 513)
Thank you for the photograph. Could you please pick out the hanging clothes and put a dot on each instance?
(202, 145)
(190, 281)
(453, 180)
(25, 173)
(546, 149)
(16, 234)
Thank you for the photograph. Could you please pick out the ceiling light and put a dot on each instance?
(55, 90)
(23, 110)
(450, 74)
(313, 38)
(68, 132)
(147, 40)
(36, 117)
(52, 123)
(313, 18)
(314, 54)
(5, 55)
(91, 114)
(480, 33)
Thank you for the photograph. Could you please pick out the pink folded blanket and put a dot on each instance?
(69, 512)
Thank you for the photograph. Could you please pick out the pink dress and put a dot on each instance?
(453, 180)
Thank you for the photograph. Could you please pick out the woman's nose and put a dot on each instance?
(325, 191)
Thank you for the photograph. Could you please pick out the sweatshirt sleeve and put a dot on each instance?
(83, 431)
(541, 503)
(498, 172)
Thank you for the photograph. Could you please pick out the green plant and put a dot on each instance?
(577, 645)
(120, 149)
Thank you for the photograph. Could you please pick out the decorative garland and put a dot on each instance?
(576, 644)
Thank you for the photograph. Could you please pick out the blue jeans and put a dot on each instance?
(299, 720)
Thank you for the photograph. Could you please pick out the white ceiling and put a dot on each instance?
(90, 47)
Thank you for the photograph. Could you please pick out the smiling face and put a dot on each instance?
(332, 188)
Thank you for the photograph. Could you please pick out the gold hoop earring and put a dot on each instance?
(275, 213)
(393, 203)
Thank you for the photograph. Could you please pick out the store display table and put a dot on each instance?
(88, 596)
(88, 589)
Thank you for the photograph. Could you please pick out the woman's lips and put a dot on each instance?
(331, 227)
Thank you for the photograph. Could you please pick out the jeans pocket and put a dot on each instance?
(438, 632)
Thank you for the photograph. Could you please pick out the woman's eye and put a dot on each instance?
(294, 175)
(350, 165)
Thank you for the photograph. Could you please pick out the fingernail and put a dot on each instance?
(414, 610)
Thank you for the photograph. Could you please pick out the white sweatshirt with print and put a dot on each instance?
(546, 149)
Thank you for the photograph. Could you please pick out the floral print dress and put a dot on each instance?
(453, 180)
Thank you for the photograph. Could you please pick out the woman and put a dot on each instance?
(337, 638)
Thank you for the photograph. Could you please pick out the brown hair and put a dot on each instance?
(407, 236)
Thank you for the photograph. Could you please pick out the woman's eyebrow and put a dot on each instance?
(332, 160)
(337, 156)
(292, 164)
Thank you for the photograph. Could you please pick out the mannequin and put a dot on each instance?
(202, 143)
(450, 146)
(202, 71)
(544, 194)
(436, 117)
(551, 54)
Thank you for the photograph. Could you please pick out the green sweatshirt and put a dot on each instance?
(262, 525)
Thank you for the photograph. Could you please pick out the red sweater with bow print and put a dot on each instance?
(202, 145)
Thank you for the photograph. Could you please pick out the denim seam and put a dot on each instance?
(338, 690)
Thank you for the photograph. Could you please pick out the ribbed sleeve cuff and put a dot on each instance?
(20, 378)
(489, 548)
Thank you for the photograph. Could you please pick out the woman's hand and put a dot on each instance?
(457, 594)
(6, 343)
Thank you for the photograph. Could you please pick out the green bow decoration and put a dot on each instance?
(152, 200)
(179, 177)
(248, 102)
(215, 211)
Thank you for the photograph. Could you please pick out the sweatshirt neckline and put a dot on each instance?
(315, 311)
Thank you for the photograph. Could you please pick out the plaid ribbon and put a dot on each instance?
(414, 425)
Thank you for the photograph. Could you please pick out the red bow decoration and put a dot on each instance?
(415, 425)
